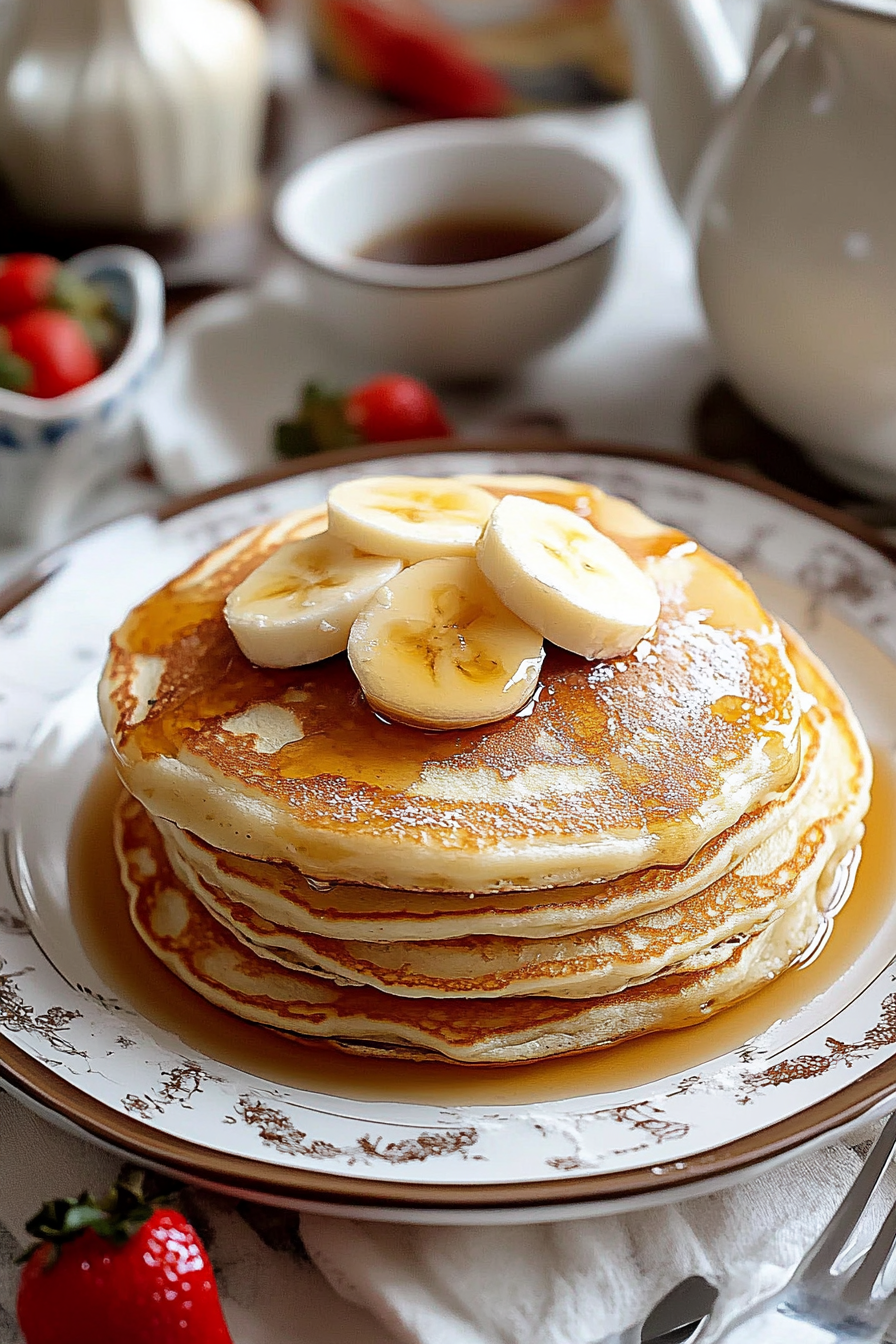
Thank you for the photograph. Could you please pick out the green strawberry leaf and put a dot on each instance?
(293, 440)
(116, 1217)
(105, 335)
(15, 373)
(82, 298)
(319, 424)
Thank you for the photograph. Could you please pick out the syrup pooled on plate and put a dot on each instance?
(100, 914)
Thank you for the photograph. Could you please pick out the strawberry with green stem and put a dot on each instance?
(46, 353)
(389, 409)
(58, 331)
(120, 1270)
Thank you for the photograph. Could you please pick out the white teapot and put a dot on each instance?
(787, 173)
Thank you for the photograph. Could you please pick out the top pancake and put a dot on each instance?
(616, 766)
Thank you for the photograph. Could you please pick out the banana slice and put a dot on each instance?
(576, 586)
(437, 649)
(414, 517)
(298, 606)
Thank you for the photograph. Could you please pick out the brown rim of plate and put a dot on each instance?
(273, 1183)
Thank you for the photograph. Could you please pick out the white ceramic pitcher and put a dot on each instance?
(787, 173)
(141, 113)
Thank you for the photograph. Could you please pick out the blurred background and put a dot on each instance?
(174, 132)
(330, 69)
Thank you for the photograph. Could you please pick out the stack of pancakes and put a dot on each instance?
(651, 839)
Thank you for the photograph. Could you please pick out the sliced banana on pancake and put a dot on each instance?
(298, 606)
(574, 585)
(437, 648)
(414, 517)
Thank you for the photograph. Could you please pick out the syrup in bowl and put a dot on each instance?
(460, 240)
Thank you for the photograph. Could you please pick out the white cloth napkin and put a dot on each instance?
(374, 1283)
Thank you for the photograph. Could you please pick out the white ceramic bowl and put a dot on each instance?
(459, 321)
(55, 452)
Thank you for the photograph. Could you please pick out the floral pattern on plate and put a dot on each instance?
(54, 1006)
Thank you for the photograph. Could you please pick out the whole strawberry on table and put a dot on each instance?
(391, 408)
(120, 1270)
(57, 331)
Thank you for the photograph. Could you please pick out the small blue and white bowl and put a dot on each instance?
(55, 453)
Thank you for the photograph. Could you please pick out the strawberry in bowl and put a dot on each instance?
(58, 330)
(76, 344)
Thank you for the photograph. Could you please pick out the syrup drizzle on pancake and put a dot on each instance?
(819, 815)
(631, 760)
(279, 892)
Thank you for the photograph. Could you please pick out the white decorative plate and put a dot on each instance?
(687, 1110)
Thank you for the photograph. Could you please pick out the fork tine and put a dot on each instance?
(859, 1287)
(823, 1254)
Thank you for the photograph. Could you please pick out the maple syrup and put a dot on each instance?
(459, 240)
(206, 679)
(99, 911)
(341, 737)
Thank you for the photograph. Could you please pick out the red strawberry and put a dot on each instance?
(56, 349)
(407, 52)
(30, 280)
(395, 407)
(118, 1271)
(388, 409)
(27, 280)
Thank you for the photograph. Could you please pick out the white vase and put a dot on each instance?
(138, 113)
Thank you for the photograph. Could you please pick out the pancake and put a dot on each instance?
(206, 956)
(652, 838)
(278, 894)
(777, 872)
(614, 767)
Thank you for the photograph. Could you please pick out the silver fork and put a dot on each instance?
(819, 1306)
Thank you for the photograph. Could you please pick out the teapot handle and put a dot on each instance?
(688, 64)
